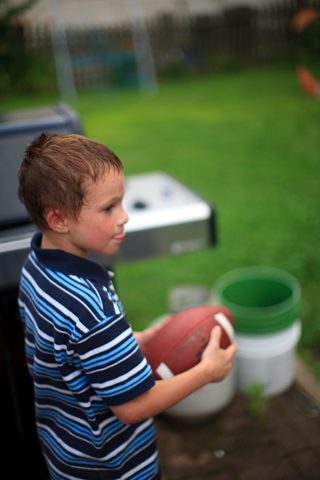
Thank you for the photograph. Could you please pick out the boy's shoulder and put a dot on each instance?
(78, 287)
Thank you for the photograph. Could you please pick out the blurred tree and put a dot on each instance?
(10, 10)
(13, 58)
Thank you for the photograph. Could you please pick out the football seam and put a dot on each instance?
(225, 323)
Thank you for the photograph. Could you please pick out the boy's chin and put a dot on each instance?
(108, 252)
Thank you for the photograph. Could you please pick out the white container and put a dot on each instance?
(187, 295)
(206, 401)
(267, 359)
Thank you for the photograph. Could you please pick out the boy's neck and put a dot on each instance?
(58, 241)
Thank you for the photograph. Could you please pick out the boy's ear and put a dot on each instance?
(57, 221)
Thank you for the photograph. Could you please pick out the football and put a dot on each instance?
(180, 342)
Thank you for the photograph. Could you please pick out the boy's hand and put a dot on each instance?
(217, 360)
(144, 338)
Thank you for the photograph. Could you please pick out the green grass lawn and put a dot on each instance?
(249, 143)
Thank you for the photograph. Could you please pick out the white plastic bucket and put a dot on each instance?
(187, 295)
(265, 304)
(206, 401)
(267, 359)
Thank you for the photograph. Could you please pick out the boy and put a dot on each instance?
(94, 392)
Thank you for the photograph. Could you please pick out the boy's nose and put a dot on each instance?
(124, 217)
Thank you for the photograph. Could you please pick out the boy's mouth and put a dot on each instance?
(120, 237)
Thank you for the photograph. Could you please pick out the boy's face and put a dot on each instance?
(99, 226)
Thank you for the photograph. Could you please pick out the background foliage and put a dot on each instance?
(249, 143)
(245, 139)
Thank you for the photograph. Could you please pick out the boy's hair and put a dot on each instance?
(56, 171)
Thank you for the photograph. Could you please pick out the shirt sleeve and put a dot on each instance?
(113, 362)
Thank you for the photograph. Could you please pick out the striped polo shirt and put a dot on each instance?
(83, 358)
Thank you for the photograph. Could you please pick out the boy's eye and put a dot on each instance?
(109, 208)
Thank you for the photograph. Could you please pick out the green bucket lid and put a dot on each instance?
(262, 300)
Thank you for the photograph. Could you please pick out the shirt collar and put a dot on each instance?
(68, 263)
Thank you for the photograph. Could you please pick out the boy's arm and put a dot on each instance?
(215, 365)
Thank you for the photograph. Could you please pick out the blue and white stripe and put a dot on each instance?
(83, 358)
